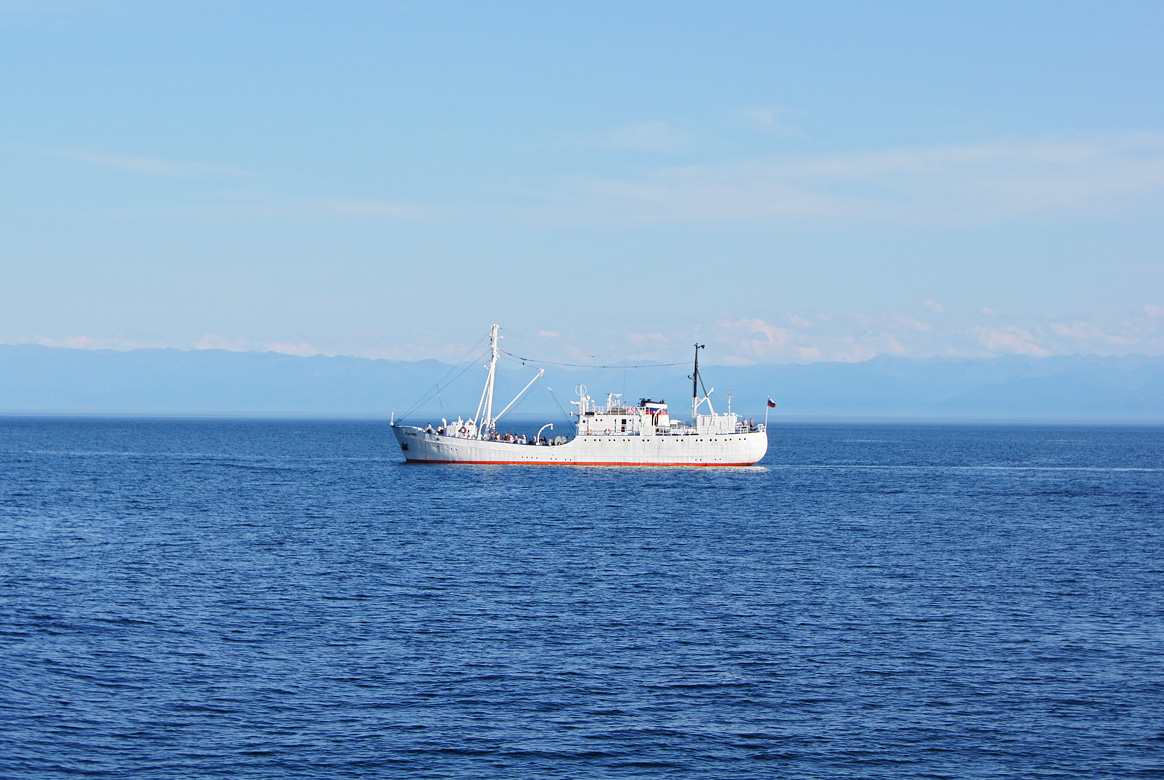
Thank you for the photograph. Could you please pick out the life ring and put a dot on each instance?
(464, 430)
(588, 432)
(607, 431)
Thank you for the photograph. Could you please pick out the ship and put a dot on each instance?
(610, 433)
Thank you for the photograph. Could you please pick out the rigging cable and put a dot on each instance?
(438, 386)
(572, 424)
(525, 360)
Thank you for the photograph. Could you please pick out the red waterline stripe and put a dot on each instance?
(563, 463)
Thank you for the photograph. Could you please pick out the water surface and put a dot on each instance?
(205, 599)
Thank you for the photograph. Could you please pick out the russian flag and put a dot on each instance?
(771, 403)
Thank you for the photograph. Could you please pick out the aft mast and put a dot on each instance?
(695, 385)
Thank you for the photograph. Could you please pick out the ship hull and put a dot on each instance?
(693, 449)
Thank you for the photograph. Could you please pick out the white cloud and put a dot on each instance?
(302, 349)
(808, 354)
(852, 350)
(797, 321)
(845, 338)
(213, 341)
(761, 331)
(934, 306)
(855, 336)
(1008, 340)
(81, 342)
(791, 337)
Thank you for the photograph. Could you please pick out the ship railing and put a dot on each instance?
(612, 409)
(682, 429)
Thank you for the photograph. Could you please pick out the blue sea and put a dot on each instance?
(288, 599)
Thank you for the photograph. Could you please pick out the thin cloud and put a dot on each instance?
(948, 184)
(237, 203)
(148, 166)
(389, 209)
(654, 136)
(906, 323)
(770, 120)
(934, 306)
(297, 210)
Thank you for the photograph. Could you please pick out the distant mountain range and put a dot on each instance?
(45, 380)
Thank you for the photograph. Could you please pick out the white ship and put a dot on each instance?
(609, 434)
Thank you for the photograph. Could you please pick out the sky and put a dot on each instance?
(785, 182)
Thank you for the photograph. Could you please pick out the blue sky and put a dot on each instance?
(786, 182)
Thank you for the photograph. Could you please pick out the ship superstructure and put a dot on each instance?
(613, 433)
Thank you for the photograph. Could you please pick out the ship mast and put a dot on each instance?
(485, 407)
(695, 384)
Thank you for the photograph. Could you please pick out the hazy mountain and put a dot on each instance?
(36, 379)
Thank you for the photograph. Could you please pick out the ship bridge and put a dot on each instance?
(648, 418)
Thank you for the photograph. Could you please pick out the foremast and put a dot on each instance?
(485, 406)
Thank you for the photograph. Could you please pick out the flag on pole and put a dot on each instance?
(771, 403)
